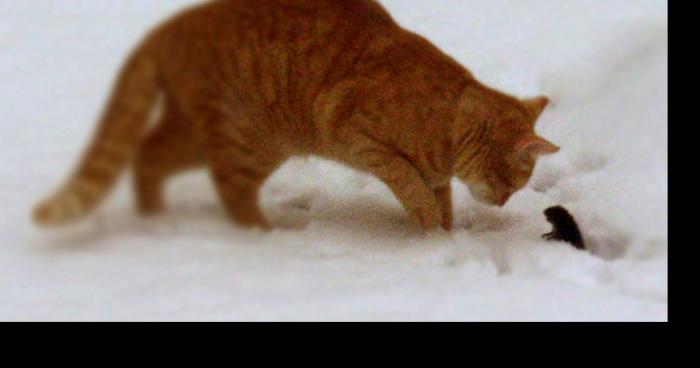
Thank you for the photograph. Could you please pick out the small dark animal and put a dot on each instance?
(565, 227)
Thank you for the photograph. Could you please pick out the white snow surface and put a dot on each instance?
(345, 250)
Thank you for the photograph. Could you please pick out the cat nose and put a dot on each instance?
(502, 202)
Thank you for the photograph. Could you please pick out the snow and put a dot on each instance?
(345, 250)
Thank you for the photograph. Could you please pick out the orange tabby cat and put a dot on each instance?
(247, 84)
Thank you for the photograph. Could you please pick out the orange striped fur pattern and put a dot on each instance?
(247, 84)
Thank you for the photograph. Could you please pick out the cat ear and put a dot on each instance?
(533, 146)
(536, 105)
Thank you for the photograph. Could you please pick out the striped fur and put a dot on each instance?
(113, 146)
(247, 84)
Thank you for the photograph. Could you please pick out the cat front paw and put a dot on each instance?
(447, 222)
(429, 218)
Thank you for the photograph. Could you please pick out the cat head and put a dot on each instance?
(502, 158)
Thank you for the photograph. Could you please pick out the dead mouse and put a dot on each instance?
(565, 227)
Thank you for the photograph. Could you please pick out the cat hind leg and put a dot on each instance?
(240, 164)
(167, 150)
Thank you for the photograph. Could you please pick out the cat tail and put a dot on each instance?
(113, 145)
